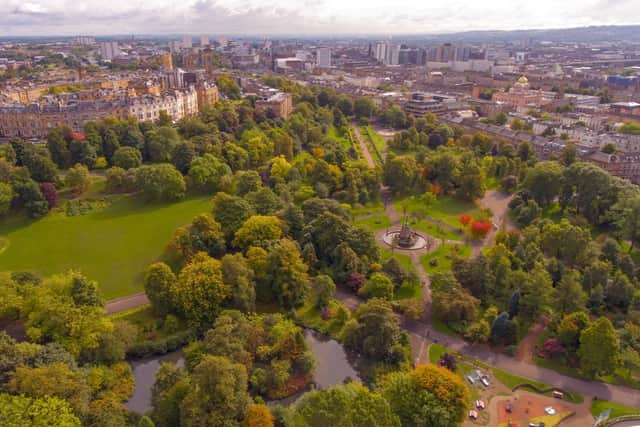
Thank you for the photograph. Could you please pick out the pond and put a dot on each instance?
(333, 365)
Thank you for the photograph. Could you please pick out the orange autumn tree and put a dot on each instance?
(258, 416)
(465, 219)
(480, 229)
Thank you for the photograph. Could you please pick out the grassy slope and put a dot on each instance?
(113, 246)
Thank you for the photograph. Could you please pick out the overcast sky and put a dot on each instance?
(96, 17)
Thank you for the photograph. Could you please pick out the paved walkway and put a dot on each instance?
(126, 303)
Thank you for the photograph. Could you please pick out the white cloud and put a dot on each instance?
(304, 16)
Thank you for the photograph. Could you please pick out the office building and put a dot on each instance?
(323, 57)
(204, 40)
(187, 42)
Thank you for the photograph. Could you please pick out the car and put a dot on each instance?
(480, 404)
(484, 381)
(509, 408)
(557, 394)
(473, 415)
(532, 424)
(471, 381)
(550, 410)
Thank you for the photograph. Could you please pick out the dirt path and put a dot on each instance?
(363, 147)
(527, 346)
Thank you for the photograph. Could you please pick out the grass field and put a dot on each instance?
(435, 230)
(335, 133)
(445, 209)
(374, 223)
(112, 246)
(444, 254)
(617, 410)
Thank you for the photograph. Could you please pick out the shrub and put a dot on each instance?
(479, 229)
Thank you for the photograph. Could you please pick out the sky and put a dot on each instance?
(312, 17)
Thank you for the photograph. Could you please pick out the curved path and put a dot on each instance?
(126, 303)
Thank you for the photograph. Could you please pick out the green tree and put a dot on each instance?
(543, 181)
(599, 346)
(569, 296)
(231, 212)
(400, 173)
(378, 286)
(374, 329)
(160, 182)
(228, 86)
(48, 411)
(345, 405)
(160, 144)
(470, 181)
(6, 197)
(629, 220)
(206, 235)
(287, 273)
(364, 107)
(219, 394)
(323, 289)
(158, 280)
(78, 178)
(127, 158)
(429, 395)
(238, 275)
(199, 292)
(258, 230)
(183, 155)
(570, 328)
(206, 173)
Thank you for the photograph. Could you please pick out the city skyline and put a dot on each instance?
(278, 17)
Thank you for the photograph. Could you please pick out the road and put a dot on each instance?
(126, 303)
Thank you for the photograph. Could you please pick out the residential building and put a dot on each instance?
(520, 95)
(204, 40)
(187, 42)
(279, 104)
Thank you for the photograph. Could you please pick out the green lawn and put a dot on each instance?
(404, 260)
(445, 208)
(374, 223)
(435, 230)
(339, 136)
(112, 246)
(408, 291)
(150, 326)
(369, 208)
(444, 254)
(617, 410)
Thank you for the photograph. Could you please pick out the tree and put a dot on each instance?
(429, 395)
(374, 330)
(183, 155)
(199, 292)
(48, 192)
(400, 173)
(569, 295)
(206, 173)
(47, 411)
(59, 149)
(218, 396)
(287, 273)
(258, 416)
(6, 197)
(599, 346)
(629, 221)
(502, 329)
(344, 405)
(231, 212)
(543, 182)
(228, 86)
(205, 235)
(364, 107)
(569, 154)
(247, 182)
(455, 304)
(160, 144)
(55, 380)
(323, 289)
(31, 198)
(161, 182)
(570, 328)
(470, 181)
(78, 178)
(127, 158)
(378, 286)
(238, 276)
(158, 280)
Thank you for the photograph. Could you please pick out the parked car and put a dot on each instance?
(549, 410)
(557, 394)
(473, 415)
(471, 381)
(536, 424)
(509, 408)
(480, 404)
(485, 381)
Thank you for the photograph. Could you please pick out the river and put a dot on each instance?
(333, 366)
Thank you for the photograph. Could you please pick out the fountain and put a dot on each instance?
(405, 238)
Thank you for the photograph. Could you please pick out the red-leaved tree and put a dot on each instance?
(49, 193)
(479, 229)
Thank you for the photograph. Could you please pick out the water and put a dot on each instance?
(333, 363)
(333, 366)
(144, 372)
